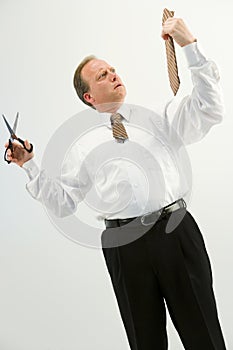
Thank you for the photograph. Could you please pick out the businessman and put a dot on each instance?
(158, 266)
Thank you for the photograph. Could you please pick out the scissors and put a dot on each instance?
(14, 137)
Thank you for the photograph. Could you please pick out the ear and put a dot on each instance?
(87, 97)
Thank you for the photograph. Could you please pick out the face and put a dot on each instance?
(105, 85)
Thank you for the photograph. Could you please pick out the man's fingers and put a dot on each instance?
(16, 144)
(177, 29)
(17, 154)
(9, 156)
(170, 20)
(27, 144)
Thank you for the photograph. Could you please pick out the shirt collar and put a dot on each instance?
(124, 110)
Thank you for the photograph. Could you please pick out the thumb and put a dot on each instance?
(164, 36)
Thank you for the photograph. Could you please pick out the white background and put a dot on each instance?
(55, 294)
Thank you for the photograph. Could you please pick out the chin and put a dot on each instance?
(122, 95)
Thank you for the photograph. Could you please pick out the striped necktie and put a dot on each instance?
(118, 129)
(171, 57)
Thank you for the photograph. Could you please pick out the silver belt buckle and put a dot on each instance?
(147, 220)
(150, 218)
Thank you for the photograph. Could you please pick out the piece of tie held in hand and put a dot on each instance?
(171, 56)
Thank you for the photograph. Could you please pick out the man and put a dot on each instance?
(148, 263)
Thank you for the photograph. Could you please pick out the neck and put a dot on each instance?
(109, 107)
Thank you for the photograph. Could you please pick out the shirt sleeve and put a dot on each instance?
(62, 194)
(204, 107)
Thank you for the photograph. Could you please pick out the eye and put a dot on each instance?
(102, 75)
(113, 70)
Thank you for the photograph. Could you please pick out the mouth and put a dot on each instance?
(118, 85)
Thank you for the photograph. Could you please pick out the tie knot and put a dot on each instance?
(116, 118)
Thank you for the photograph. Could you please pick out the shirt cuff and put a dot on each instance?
(31, 169)
(194, 55)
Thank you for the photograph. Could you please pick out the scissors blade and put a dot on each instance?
(16, 122)
(9, 127)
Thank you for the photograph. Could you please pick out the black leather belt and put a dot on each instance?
(146, 219)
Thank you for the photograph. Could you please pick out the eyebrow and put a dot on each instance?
(109, 67)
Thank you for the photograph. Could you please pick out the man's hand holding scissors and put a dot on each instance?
(17, 150)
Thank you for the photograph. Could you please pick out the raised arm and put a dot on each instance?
(204, 107)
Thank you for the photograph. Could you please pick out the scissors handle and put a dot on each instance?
(23, 143)
(10, 146)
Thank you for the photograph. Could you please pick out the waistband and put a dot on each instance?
(147, 218)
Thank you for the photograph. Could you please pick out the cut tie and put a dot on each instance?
(118, 129)
(171, 57)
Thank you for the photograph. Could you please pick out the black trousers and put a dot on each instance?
(158, 268)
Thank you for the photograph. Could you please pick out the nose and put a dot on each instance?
(112, 75)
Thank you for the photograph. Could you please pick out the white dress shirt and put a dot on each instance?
(145, 173)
